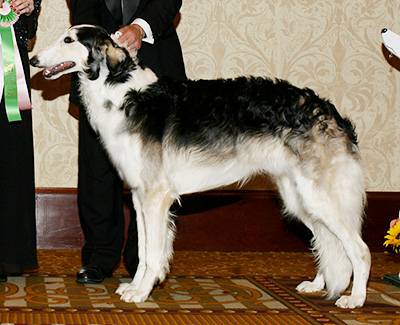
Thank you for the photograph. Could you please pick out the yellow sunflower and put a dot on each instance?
(393, 237)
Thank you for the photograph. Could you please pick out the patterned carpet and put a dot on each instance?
(203, 288)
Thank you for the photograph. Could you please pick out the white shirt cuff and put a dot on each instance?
(147, 29)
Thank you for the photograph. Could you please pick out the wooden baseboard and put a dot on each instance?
(213, 221)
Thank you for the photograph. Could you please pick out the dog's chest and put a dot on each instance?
(125, 152)
(102, 104)
(108, 120)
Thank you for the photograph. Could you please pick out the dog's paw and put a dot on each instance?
(136, 296)
(350, 302)
(308, 286)
(129, 293)
(123, 287)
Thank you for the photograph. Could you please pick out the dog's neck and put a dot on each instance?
(101, 96)
(111, 83)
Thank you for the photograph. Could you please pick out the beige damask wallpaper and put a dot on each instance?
(332, 46)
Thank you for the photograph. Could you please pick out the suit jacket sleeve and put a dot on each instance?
(85, 12)
(160, 14)
(32, 20)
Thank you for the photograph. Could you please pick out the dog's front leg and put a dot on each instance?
(141, 269)
(155, 247)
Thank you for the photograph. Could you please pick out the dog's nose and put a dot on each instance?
(34, 62)
(384, 30)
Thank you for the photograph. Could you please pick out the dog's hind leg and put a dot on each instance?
(333, 263)
(343, 252)
(322, 243)
(158, 240)
(293, 207)
(336, 208)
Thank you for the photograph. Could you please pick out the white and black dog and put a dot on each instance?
(168, 138)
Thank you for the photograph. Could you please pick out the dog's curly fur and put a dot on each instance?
(169, 137)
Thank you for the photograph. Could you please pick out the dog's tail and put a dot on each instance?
(333, 261)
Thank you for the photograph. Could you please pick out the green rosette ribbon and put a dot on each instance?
(7, 19)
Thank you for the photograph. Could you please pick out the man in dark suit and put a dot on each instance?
(146, 26)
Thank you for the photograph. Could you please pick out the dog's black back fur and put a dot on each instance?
(205, 110)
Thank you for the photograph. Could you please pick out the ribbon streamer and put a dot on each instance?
(12, 77)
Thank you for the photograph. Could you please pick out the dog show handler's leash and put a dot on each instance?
(12, 77)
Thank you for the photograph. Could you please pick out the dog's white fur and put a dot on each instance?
(328, 194)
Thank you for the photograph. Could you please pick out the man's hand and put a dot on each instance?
(131, 37)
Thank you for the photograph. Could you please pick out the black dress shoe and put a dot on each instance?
(90, 274)
(3, 278)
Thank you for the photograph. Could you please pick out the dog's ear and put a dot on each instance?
(96, 55)
(114, 54)
(98, 51)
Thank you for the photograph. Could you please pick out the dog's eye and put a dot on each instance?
(68, 40)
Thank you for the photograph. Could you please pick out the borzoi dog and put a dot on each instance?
(167, 138)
